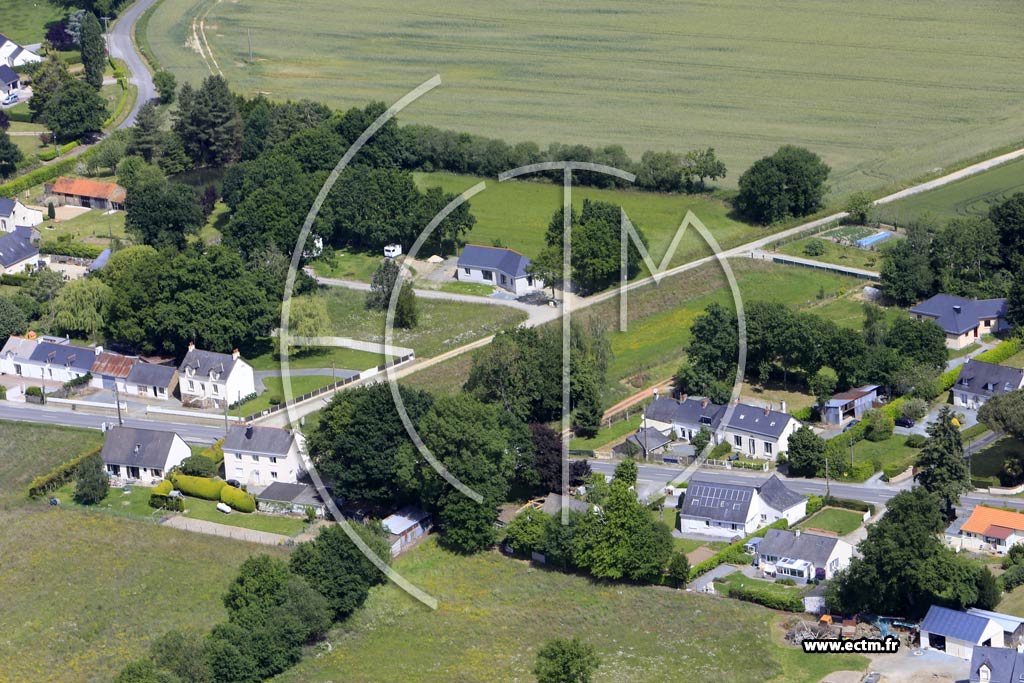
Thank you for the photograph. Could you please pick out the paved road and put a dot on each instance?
(121, 46)
(193, 433)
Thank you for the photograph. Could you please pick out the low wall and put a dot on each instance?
(999, 491)
(902, 476)
(85, 404)
(191, 413)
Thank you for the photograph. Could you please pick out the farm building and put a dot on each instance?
(1013, 627)
(958, 633)
(505, 268)
(91, 194)
(849, 405)
(405, 526)
(963, 320)
(986, 530)
(644, 442)
(980, 381)
(291, 499)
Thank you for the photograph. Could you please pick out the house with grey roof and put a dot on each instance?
(260, 456)
(151, 380)
(850, 404)
(17, 253)
(505, 268)
(958, 633)
(737, 510)
(17, 354)
(802, 555)
(14, 214)
(59, 361)
(9, 79)
(13, 55)
(643, 443)
(979, 381)
(996, 665)
(142, 455)
(684, 417)
(963, 320)
(210, 379)
(283, 497)
(758, 432)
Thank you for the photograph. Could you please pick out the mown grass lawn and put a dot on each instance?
(197, 508)
(892, 451)
(494, 613)
(1015, 361)
(837, 520)
(28, 450)
(989, 462)
(265, 357)
(840, 254)
(607, 434)
(300, 385)
(346, 265)
(95, 226)
(471, 288)
(739, 580)
(25, 22)
(84, 592)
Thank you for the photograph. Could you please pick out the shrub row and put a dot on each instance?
(215, 453)
(814, 503)
(848, 504)
(73, 249)
(893, 470)
(789, 602)
(247, 397)
(238, 499)
(161, 498)
(48, 154)
(68, 147)
(21, 116)
(198, 487)
(58, 476)
(43, 175)
(14, 279)
(733, 553)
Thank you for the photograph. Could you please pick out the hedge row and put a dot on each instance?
(848, 504)
(73, 249)
(14, 279)
(1002, 351)
(43, 175)
(68, 147)
(21, 116)
(238, 499)
(733, 553)
(814, 503)
(215, 453)
(198, 487)
(789, 602)
(48, 154)
(58, 476)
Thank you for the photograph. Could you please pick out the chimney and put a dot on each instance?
(138, 447)
(683, 398)
(957, 308)
(767, 409)
(235, 354)
(191, 346)
(796, 533)
(704, 403)
(99, 350)
(248, 431)
(782, 407)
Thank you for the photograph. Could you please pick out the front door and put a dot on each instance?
(133, 472)
(750, 446)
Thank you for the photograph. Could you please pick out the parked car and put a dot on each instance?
(393, 250)
(905, 422)
(10, 98)
(225, 508)
(233, 482)
(850, 425)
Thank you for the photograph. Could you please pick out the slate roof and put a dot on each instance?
(299, 494)
(508, 261)
(940, 307)
(778, 495)
(987, 379)
(119, 447)
(7, 74)
(404, 519)
(112, 365)
(83, 187)
(258, 440)
(693, 411)
(203, 362)
(21, 347)
(15, 247)
(649, 439)
(151, 374)
(813, 548)
(7, 206)
(954, 624)
(747, 418)
(1005, 665)
(66, 355)
(719, 502)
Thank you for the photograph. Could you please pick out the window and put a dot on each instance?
(504, 280)
(467, 270)
(488, 275)
(273, 475)
(216, 389)
(750, 446)
(767, 448)
(988, 323)
(157, 473)
(17, 369)
(191, 385)
(273, 461)
(739, 440)
(255, 458)
(238, 456)
(984, 674)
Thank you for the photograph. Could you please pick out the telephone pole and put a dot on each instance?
(117, 402)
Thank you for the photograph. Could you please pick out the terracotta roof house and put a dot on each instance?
(91, 194)
(979, 381)
(963, 320)
(987, 530)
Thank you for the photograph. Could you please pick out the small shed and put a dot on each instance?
(814, 601)
(285, 498)
(405, 526)
(644, 442)
(850, 405)
(958, 633)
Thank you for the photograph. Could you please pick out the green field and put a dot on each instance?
(95, 226)
(494, 613)
(25, 22)
(607, 434)
(443, 325)
(650, 75)
(28, 450)
(264, 358)
(972, 196)
(837, 253)
(837, 520)
(300, 385)
(347, 266)
(892, 451)
(517, 214)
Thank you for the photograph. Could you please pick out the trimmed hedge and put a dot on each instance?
(198, 487)
(58, 476)
(68, 147)
(73, 249)
(44, 174)
(238, 499)
(848, 504)
(734, 553)
(215, 453)
(1010, 347)
(14, 279)
(161, 499)
(21, 116)
(893, 470)
(770, 599)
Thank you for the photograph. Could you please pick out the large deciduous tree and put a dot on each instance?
(1004, 413)
(162, 214)
(74, 110)
(791, 182)
(80, 307)
(806, 453)
(566, 661)
(10, 155)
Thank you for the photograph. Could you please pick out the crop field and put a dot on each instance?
(883, 90)
(494, 613)
(972, 196)
(518, 213)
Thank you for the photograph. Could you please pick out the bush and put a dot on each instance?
(199, 487)
(814, 503)
(14, 279)
(915, 440)
(814, 247)
(890, 471)
(163, 488)
(879, 425)
(215, 453)
(770, 599)
(68, 147)
(721, 451)
(198, 466)
(847, 504)
(91, 481)
(786, 581)
(247, 397)
(1013, 577)
(34, 391)
(73, 249)
(161, 499)
(237, 499)
(806, 414)
(275, 400)
(3, 393)
(914, 408)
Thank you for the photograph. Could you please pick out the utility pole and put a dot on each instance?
(117, 402)
(828, 487)
(225, 414)
(851, 451)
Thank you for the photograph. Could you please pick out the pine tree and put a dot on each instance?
(942, 469)
(208, 122)
(406, 313)
(93, 49)
(146, 135)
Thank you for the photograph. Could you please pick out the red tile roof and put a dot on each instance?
(82, 187)
(984, 518)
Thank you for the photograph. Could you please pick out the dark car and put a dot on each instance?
(851, 425)
(234, 482)
(904, 422)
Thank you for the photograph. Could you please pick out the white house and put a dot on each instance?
(995, 665)
(958, 633)
(17, 253)
(505, 268)
(9, 80)
(142, 455)
(210, 379)
(151, 380)
(16, 354)
(803, 556)
(14, 214)
(758, 432)
(294, 499)
(259, 456)
(980, 381)
(986, 530)
(685, 417)
(12, 54)
(57, 360)
(737, 510)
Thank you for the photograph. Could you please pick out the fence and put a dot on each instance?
(830, 267)
(730, 464)
(190, 413)
(370, 372)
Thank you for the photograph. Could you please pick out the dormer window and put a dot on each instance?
(984, 673)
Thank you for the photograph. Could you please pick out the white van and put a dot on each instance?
(393, 250)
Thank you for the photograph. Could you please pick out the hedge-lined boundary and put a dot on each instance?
(788, 602)
(73, 249)
(161, 498)
(733, 553)
(43, 175)
(198, 487)
(58, 476)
